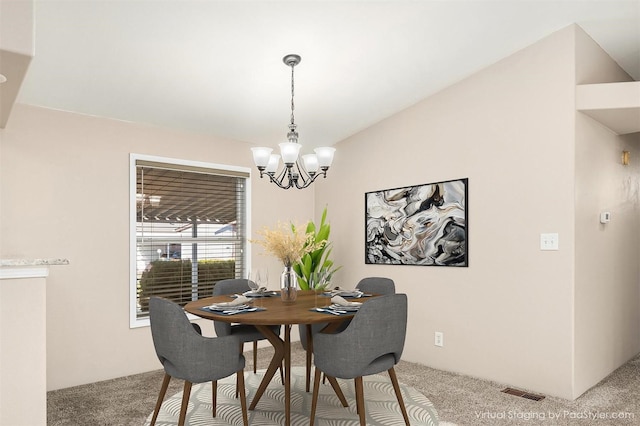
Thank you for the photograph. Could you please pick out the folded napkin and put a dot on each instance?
(239, 300)
(346, 293)
(340, 301)
(258, 291)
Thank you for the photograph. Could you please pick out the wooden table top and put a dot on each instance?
(277, 312)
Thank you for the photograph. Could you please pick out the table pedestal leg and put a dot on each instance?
(276, 362)
(287, 373)
(283, 352)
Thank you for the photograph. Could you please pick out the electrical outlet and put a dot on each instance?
(439, 339)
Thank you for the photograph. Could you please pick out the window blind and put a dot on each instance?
(190, 231)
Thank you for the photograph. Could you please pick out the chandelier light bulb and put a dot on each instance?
(310, 162)
(261, 155)
(289, 152)
(325, 156)
(274, 162)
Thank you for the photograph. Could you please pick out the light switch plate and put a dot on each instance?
(549, 241)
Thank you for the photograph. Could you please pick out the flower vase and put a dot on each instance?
(288, 285)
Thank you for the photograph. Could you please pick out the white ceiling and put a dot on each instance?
(215, 67)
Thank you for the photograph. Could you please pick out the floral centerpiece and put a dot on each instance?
(289, 245)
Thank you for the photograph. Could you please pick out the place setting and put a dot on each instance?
(339, 306)
(258, 287)
(241, 304)
(345, 293)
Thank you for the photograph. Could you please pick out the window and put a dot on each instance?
(189, 229)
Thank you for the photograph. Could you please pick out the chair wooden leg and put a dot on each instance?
(360, 400)
(307, 382)
(336, 389)
(314, 400)
(185, 402)
(309, 353)
(241, 352)
(396, 388)
(163, 391)
(214, 395)
(243, 397)
(255, 356)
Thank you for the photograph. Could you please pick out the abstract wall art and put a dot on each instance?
(418, 225)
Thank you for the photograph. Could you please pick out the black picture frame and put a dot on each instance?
(422, 225)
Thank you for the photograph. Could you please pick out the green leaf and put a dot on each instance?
(316, 256)
(297, 269)
(306, 266)
(311, 228)
(323, 232)
(304, 285)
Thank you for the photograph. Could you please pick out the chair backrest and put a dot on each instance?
(183, 352)
(170, 328)
(377, 285)
(384, 320)
(231, 286)
(375, 333)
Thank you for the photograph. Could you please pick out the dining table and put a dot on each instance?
(274, 311)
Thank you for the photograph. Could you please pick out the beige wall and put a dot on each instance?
(510, 129)
(607, 291)
(65, 193)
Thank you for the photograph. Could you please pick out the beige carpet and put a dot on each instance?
(458, 399)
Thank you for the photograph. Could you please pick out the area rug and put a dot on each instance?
(381, 406)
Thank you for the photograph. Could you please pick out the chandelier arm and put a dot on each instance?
(285, 173)
(273, 178)
(307, 178)
(278, 182)
(303, 179)
(292, 175)
(308, 182)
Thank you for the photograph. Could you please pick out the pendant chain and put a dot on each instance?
(292, 105)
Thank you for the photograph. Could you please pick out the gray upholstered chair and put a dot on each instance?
(187, 355)
(373, 285)
(373, 342)
(377, 285)
(246, 333)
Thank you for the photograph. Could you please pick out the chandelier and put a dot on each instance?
(295, 173)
